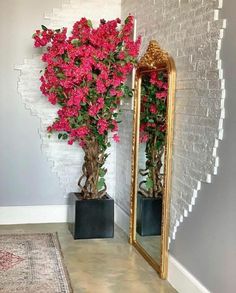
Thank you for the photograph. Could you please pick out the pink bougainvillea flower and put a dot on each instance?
(112, 92)
(82, 143)
(82, 131)
(100, 86)
(100, 102)
(153, 77)
(144, 98)
(165, 85)
(93, 110)
(161, 95)
(116, 138)
(162, 128)
(114, 126)
(150, 124)
(49, 129)
(153, 109)
(102, 125)
(143, 137)
(52, 98)
(159, 83)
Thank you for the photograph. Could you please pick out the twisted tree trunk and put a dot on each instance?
(152, 170)
(94, 159)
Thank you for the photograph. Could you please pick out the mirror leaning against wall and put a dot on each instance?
(152, 156)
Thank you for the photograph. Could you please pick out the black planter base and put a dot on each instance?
(149, 215)
(90, 218)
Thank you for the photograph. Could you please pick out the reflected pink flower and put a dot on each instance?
(116, 138)
(144, 137)
(153, 109)
(161, 95)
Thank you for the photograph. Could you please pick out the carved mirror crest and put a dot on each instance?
(152, 156)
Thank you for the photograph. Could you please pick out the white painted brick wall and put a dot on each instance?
(191, 31)
(123, 160)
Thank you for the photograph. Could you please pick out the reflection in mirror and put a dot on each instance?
(152, 156)
(152, 140)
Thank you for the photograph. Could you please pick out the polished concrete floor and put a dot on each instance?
(101, 265)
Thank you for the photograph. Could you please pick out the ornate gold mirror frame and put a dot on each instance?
(155, 59)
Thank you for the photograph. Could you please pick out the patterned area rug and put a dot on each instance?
(32, 263)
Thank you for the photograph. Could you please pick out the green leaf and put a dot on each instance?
(79, 118)
(149, 183)
(56, 69)
(103, 146)
(161, 135)
(162, 107)
(52, 89)
(61, 104)
(101, 183)
(76, 42)
(89, 22)
(158, 144)
(102, 172)
(161, 76)
(59, 135)
(77, 62)
(130, 94)
(60, 75)
(106, 156)
(44, 27)
(65, 136)
(126, 20)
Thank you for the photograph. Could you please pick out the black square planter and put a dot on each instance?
(91, 218)
(149, 215)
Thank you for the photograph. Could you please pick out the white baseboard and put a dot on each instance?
(121, 219)
(49, 214)
(33, 214)
(182, 280)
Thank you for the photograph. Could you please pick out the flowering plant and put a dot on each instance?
(85, 76)
(154, 91)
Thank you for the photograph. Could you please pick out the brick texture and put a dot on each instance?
(191, 31)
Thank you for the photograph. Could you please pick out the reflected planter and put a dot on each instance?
(90, 218)
(149, 215)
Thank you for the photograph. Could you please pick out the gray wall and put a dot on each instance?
(25, 176)
(206, 242)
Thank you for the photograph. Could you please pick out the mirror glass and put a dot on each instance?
(152, 156)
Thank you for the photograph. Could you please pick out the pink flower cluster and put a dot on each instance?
(102, 125)
(85, 75)
(153, 106)
(95, 108)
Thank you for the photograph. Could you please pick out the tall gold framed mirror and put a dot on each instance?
(152, 156)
